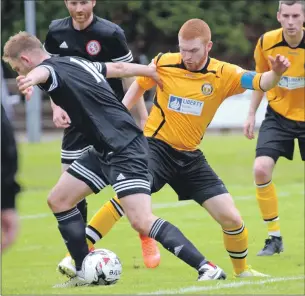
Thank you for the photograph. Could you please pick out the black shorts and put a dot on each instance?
(74, 144)
(277, 134)
(125, 171)
(187, 172)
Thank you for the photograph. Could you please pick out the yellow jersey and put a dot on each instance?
(288, 97)
(189, 100)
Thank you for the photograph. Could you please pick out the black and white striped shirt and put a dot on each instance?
(79, 87)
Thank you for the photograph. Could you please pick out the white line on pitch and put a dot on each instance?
(155, 206)
(220, 285)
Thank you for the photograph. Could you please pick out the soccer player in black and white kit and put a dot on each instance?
(83, 34)
(118, 156)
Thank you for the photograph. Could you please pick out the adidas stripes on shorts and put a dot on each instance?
(126, 171)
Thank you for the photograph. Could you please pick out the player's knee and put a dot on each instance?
(57, 202)
(231, 221)
(263, 169)
(141, 224)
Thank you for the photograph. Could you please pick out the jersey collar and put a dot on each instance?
(84, 30)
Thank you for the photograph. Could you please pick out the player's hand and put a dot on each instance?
(25, 86)
(279, 64)
(155, 75)
(249, 126)
(61, 118)
(9, 227)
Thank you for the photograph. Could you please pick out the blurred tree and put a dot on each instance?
(236, 25)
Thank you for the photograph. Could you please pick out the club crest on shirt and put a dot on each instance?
(207, 89)
(93, 47)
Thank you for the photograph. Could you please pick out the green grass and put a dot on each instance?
(29, 267)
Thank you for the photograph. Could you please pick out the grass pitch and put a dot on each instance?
(29, 267)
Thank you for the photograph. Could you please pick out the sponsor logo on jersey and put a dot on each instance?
(184, 105)
(292, 82)
(93, 47)
(207, 89)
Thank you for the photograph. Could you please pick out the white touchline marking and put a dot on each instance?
(221, 285)
(169, 205)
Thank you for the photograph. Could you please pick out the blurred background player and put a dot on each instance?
(85, 35)
(9, 186)
(195, 85)
(285, 117)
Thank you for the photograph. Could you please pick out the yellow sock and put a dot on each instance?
(268, 204)
(236, 243)
(103, 220)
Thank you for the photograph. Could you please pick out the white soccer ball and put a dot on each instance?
(102, 267)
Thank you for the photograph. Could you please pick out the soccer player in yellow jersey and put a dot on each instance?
(194, 86)
(285, 117)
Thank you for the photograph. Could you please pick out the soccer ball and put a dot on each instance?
(102, 267)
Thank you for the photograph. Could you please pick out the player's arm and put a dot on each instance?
(37, 76)
(267, 80)
(120, 52)
(279, 66)
(257, 95)
(139, 110)
(60, 116)
(133, 95)
(114, 70)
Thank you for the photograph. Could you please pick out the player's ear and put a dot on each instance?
(209, 46)
(24, 58)
(93, 3)
(278, 16)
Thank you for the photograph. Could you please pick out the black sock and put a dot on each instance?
(82, 207)
(72, 228)
(174, 241)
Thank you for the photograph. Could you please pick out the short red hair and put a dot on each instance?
(195, 28)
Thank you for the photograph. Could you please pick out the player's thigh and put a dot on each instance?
(127, 170)
(161, 165)
(276, 136)
(91, 169)
(223, 210)
(68, 191)
(197, 180)
(74, 144)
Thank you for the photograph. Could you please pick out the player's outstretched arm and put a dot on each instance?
(36, 76)
(132, 96)
(249, 125)
(128, 70)
(138, 111)
(279, 66)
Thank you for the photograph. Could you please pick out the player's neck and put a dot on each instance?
(294, 41)
(203, 64)
(82, 26)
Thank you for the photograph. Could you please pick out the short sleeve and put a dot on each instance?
(147, 82)
(120, 51)
(261, 64)
(53, 82)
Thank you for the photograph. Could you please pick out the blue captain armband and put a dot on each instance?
(247, 80)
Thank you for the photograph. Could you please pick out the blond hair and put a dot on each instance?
(19, 43)
(195, 28)
(292, 2)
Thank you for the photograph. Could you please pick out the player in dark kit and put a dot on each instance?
(83, 34)
(9, 185)
(118, 156)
